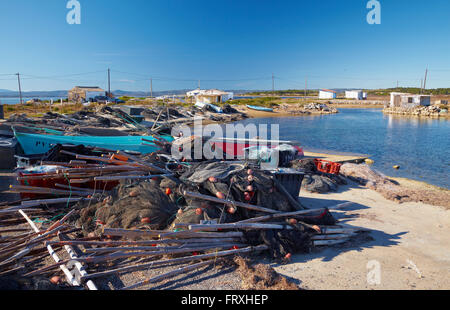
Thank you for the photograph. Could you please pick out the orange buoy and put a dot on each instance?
(231, 210)
(145, 220)
(220, 195)
(212, 179)
(250, 178)
(250, 172)
(288, 256)
(55, 280)
(198, 211)
(134, 193)
(250, 188)
(317, 228)
(168, 191)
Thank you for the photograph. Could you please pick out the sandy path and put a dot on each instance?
(411, 242)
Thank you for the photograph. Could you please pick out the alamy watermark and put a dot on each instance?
(74, 15)
(227, 142)
(374, 15)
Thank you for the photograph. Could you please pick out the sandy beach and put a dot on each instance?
(409, 240)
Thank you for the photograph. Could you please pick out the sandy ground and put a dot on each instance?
(410, 241)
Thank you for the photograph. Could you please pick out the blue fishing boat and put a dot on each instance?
(40, 144)
(257, 108)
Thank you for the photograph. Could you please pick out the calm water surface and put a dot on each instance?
(420, 146)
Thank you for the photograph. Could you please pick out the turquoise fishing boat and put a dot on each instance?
(40, 144)
(262, 109)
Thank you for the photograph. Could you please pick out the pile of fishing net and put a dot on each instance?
(289, 241)
(236, 182)
(131, 205)
(316, 181)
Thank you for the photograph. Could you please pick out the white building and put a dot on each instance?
(405, 100)
(355, 94)
(327, 94)
(210, 96)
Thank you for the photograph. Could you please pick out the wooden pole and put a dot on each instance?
(281, 215)
(229, 202)
(176, 261)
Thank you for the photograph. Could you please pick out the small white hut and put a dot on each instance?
(327, 94)
(405, 100)
(354, 94)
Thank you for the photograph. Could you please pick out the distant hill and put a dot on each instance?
(118, 93)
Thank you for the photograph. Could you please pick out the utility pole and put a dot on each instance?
(151, 87)
(397, 83)
(306, 87)
(273, 85)
(109, 82)
(20, 88)
(198, 84)
(425, 82)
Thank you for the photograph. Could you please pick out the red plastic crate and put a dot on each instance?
(326, 166)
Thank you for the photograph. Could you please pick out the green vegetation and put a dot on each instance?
(289, 92)
(411, 90)
(267, 102)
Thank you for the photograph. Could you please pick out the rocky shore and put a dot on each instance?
(430, 111)
(285, 109)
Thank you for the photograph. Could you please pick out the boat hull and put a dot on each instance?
(40, 144)
(261, 109)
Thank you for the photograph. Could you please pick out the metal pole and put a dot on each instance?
(20, 88)
(273, 85)
(151, 88)
(425, 82)
(306, 87)
(109, 82)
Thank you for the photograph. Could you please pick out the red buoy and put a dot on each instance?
(145, 220)
(220, 195)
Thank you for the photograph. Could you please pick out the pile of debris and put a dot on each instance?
(320, 107)
(115, 213)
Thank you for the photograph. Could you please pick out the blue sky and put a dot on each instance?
(227, 44)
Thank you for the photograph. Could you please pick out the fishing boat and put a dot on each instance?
(257, 108)
(40, 144)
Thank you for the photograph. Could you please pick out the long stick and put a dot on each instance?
(280, 215)
(131, 177)
(245, 226)
(176, 260)
(229, 202)
(114, 256)
(151, 248)
(294, 203)
(149, 242)
(191, 234)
